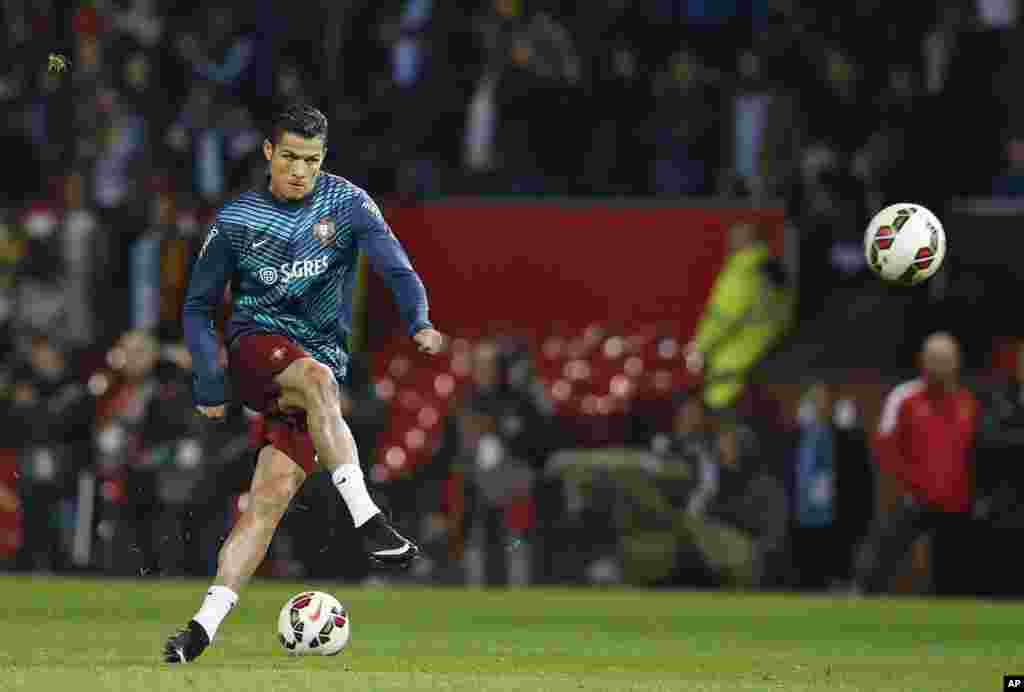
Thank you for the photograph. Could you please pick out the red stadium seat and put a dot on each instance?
(385, 388)
(633, 366)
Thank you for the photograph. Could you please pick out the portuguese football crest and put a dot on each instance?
(324, 230)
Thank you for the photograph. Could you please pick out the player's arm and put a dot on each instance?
(389, 259)
(210, 274)
(890, 438)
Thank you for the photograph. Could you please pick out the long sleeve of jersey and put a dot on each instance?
(389, 259)
(890, 438)
(210, 274)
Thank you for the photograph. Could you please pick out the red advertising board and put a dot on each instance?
(573, 263)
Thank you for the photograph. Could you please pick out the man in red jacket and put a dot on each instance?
(924, 440)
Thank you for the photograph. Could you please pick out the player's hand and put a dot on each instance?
(429, 341)
(694, 359)
(214, 412)
(25, 394)
(9, 501)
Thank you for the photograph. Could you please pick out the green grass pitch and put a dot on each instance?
(90, 635)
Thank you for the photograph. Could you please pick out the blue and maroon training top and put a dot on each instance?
(292, 267)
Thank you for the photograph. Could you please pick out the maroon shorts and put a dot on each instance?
(254, 360)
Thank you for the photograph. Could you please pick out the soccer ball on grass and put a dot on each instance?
(905, 244)
(313, 622)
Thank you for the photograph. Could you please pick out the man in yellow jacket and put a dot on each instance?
(750, 308)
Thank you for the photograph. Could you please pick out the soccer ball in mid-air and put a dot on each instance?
(313, 622)
(905, 243)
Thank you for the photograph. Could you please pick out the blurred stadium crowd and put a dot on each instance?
(120, 156)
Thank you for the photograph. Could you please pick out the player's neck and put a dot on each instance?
(280, 199)
(940, 388)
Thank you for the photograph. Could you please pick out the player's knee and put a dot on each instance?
(318, 382)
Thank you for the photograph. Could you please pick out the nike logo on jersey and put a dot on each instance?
(258, 243)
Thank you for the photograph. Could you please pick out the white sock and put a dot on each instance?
(218, 603)
(348, 479)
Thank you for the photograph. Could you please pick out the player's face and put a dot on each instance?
(485, 365)
(135, 355)
(294, 164)
(941, 361)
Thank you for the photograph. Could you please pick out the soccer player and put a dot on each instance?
(289, 251)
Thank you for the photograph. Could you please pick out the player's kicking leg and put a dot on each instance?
(276, 480)
(309, 385)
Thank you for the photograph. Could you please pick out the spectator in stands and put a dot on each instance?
(767, 132)
(831, 242)
(224, 471)
(481, 145)
(941, 42)
(40, 301)
(691, 443)
(172, 457)
(218, 52)
(839, 93)
(886, 162)
(84, 257)
(814, 545)
(832, 489)
(683, 129)
(426, 88)
(166, 462)
(290, 85)
(687, 483)
(498, 437)
(133, 495)
(1000, 469)
(742, 530)
(139, 21)
(53, 415)
(925, 442)
(123, 158)
(614, 163)
(530, 66)
(212, 138)
(89, 77)
(750, 308)
(44, 120)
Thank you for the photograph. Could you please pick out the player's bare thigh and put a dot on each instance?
(304, 383)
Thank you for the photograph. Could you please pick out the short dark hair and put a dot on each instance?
(299, 119)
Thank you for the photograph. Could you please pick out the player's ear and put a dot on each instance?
(268, 149)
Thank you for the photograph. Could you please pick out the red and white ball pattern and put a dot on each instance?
(905, 243)
(313, 622)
